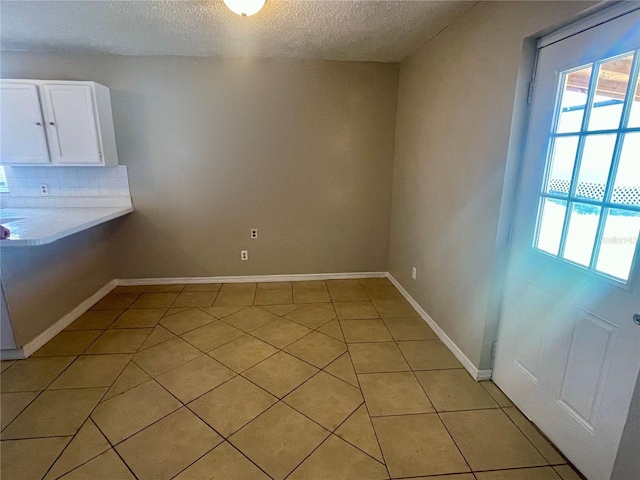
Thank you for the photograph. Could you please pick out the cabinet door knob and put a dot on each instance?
(50, 123)
(38, 123)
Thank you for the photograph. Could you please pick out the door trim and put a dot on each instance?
(606, 11)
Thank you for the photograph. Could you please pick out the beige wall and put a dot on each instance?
(457, 98)
(301, 150)
(43, 284)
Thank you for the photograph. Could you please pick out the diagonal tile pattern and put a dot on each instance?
(338, 460)
(135, 409)
(55, 413)
(280, 373)
(185, 320)
(223, 462)
(26, 459)
(165, 356)
(212, 335)
(358, 431)
(105, 466)
(317, 349)
(325, 399)
(250, 319)
(167, 447)
(92, 371)
(281, 332)
(194, 378)
(141, 318)
(87, 444)
(311, 316)
(279, 439)
(222, 410)
(243, 353)
(302, 380)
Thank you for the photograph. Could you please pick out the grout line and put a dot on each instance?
(97, 426)
(70, 441)
(218, 445)
(310, 453)
(43, 390)
(114, 449)
(152, 423)
(365, 401)
(236, 374)
(527, 437)
(345, 440)
(434, 409)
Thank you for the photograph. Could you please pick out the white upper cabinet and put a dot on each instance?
(77, 120)
(21, 125)
(71, 124)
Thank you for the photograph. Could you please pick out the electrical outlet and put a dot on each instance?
(413, 273)
(244, 255)
(254, 233)
(44, 189)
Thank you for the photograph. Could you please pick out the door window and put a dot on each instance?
(589, 207)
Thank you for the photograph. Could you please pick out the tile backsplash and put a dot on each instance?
(67, 187)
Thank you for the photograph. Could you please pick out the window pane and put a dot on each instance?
(595, 166)
(613, 79)
(634, 119)
(563, 159)
(551, 223)
(619, 243)
(574, 99)
(581, 235)
(626, 189)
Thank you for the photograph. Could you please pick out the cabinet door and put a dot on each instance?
(22, 137)
(72, 127)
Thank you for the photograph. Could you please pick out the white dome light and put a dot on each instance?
(246, 8)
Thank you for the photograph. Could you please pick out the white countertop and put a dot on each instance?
(39, 226)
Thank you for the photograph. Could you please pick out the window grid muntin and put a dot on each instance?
(570, 199)
(584, 127)
(617, 152)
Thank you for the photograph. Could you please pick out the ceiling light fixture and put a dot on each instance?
(246, 8)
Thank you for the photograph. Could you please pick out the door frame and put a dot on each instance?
(589, 18)
(597, 15)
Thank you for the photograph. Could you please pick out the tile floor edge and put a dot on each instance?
(67, 319)
(477, 375)
(30, 347)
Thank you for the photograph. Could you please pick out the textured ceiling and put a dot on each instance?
(367, 30)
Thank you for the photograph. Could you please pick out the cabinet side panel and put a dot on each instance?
(105, 123)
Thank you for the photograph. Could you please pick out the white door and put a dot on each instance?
(569, 348)
(22, 137)
(71, 124)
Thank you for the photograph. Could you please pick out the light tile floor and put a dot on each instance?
(311, 380)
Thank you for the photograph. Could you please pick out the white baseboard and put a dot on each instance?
(53, 330)
(478, 375)
(12, 354)
(484, 375)
(251, 278)
(65, 321)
